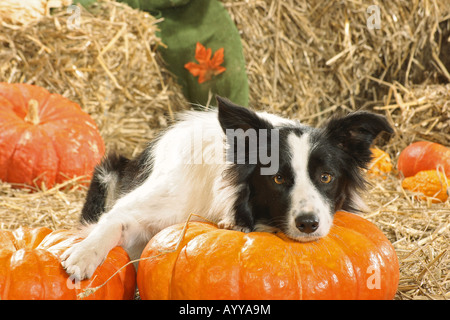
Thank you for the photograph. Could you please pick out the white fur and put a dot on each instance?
(110, 180)
(186, 178)
(305, 197)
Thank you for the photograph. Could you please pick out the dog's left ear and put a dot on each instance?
(355, 133)
(232, 116)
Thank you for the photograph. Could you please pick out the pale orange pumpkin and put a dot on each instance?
(30, 268)
(45, 138)
(355, 261)
(431, 183)
(381, 164)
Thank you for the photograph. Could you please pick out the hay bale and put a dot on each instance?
(419, 113)
(109, 65)
(304, 60)
(56, 208)
(420, 234)
(20, 12)
(106, 61)
(308, 60)
(419, 230)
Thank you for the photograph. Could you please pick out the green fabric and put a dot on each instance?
(208, 22)
(84, 3)
(153, 5)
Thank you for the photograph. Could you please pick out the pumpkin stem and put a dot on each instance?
(32, 114)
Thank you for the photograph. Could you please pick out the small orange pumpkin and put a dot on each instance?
(44, 138)
(423, 155)
(431, 183)
(355, 261)
(381, 163)
(30, 269)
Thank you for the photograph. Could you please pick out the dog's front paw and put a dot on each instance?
(229, 225)
(81, 260)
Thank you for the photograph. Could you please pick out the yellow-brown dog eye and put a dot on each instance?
(326, 178)
(278, 179)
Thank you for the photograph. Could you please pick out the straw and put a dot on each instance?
(305, 59)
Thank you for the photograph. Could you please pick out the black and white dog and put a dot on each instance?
(244, 170)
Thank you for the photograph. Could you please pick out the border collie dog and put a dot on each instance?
(244, 170)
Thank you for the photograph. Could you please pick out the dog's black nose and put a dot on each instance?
(307, 223)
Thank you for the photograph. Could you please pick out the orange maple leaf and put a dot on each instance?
(206, 67)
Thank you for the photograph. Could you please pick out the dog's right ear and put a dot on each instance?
(232, 116)
(355, 133)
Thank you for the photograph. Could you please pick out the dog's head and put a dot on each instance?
(293, 177)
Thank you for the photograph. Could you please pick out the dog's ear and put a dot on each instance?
(249, 138)
(232, 116)
(355, 133)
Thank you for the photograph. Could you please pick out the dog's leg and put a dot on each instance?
(83, 258)
(128, 224)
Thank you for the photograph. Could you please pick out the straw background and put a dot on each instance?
(305, 59)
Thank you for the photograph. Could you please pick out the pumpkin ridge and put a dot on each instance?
(9, 161)
(43, 106)
(296, 269)
(245, 239)
(15, 145)
(187, 238)
(180, 249)
(381, 256)
(28, 92)
(41, 272)
(15, 119)
(46, 173)
(297, 273)
(7, 284)
(236, 241)
(31, 131)
(58, 160)
(341, 243)
(71, 116)
(12, 132)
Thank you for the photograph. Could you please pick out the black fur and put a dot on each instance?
(271, 203)
(129, 173)
(340, 148)
(232, 116)
(95, 202)
(235, 117)
(355, 133)
(345, 143)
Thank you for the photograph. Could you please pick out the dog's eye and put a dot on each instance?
(326, 178)
(278, 179)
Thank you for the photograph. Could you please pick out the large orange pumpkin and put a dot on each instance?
(423, 155)
(355, 261)
(30, 269)
(44, 138)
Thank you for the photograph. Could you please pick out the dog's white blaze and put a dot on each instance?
(305, 198)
